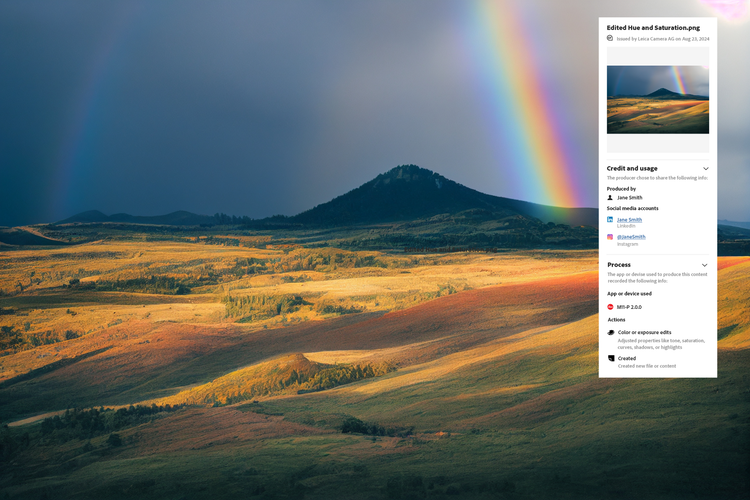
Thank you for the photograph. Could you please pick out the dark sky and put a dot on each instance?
(643, 80)
(263, 107)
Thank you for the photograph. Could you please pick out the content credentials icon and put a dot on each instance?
(611, 332)
(610, 306)
(610, 237)
(611, 357)
(609, 219)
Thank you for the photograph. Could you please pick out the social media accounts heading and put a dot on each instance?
(632, 208)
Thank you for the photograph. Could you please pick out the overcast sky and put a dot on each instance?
(264, 107)
(643, 80)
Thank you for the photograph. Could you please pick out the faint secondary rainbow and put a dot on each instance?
(78, 134)
(678, 80)
(523, 113)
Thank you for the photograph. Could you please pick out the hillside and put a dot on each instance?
(405, 193)
(744, 225)
(663, 93)
(179, 218)
(733, 240)
(407, 207)
(292, 374)
(409, 192)
(19, 236)
(496, 395)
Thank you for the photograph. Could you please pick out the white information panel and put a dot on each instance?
(658, 197)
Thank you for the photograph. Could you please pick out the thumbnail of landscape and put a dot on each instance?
(660, 112)
(411, 339)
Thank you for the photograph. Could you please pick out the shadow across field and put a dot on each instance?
(496, 395)
(645, 115)
(165, 357)
(55, 365)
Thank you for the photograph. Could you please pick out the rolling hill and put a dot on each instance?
(733, 240)
(724, 222)
(21, 236)
(405, 193)
(663, 93)
(409, 192)
(495, 395)
(660, 112)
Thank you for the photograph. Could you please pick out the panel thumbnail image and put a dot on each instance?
(657, 100)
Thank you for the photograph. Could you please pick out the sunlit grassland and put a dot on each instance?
(734, 309)
(647, 115)
(678, 438)
(151, 357)
(49, 296)
(498, 379)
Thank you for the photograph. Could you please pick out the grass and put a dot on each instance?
(641, 115)
(293, 374)
(497, 376)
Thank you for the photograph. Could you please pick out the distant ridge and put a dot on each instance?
(663, 93)
(404, 193)
(179, 218)
(745, 225)
(409, 192)
(733, 240)
(88, 216)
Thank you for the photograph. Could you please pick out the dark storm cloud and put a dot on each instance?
(42, 49)
(262, 107)
(643, 80)
(248, 108)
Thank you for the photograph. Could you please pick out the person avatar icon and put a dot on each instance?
(610, 198)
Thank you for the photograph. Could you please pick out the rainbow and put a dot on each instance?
(72, 165)
(526, 123)
(678, 80)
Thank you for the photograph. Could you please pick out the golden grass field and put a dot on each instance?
(641, 115)
(495, 392)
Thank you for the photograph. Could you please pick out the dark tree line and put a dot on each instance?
(88, 423)
(79, 424)
(227, 220)
(154, 284)
(357, 426)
